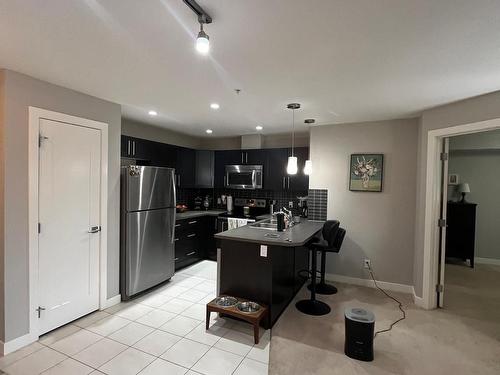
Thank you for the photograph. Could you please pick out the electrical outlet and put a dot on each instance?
(367, 264)
(290, 204)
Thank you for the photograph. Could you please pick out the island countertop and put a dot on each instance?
(297, 235)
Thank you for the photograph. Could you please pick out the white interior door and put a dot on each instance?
(442, 221)
(68, 253)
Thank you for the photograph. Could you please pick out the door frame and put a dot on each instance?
(35, 115)
(433, 189)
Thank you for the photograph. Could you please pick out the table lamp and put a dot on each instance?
(463, 189)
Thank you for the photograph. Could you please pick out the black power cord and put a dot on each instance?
(400, 305)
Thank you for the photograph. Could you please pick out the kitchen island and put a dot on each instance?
(263, 265)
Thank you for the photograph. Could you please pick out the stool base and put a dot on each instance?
(324, 288)
(312, 307)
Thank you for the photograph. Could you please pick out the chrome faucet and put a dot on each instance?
(289, 215)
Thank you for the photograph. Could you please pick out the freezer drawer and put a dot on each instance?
(148, 258)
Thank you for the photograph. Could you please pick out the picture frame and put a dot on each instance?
(366, 172)
(453, 179)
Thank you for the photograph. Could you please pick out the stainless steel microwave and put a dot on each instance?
(243, 177)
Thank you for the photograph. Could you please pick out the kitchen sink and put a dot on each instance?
(269, 224)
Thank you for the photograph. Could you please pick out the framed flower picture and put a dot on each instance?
(366, 172)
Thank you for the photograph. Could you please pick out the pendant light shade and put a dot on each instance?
(308, 167)
(291, 167)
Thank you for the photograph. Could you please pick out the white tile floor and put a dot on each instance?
(162, 332)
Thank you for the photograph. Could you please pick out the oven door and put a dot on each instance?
(243, 177)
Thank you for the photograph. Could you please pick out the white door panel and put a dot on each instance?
(69, 191)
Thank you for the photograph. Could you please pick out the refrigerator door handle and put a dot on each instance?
(173, 211)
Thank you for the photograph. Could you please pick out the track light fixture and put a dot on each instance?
(202, 41)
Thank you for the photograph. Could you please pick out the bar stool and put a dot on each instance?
(322, 287)
(312, 306)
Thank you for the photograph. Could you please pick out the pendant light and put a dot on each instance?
(308, 165)
(291, 167)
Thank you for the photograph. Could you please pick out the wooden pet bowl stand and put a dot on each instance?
(253, 318)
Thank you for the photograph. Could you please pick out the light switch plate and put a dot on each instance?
(290, 204)
(263, 251)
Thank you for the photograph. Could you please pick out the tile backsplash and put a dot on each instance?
(282, 198)
(318, 204)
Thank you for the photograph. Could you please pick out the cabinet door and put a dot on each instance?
(125, 146)
(204, 177)
(185, 167)
(275, 173)
(255, 157)
(300, 181)
(142, 149)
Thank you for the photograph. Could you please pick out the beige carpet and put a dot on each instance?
(463, 338)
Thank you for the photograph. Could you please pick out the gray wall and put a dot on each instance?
(21, 92)
(476, 159)
(484, 107)
(154, 133)
(380, 226)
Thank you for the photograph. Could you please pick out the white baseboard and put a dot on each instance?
(419, 301)
(495, 262)
(393, 287)
(17, 343)
(112, 301)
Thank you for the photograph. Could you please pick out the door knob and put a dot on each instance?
(95, 229)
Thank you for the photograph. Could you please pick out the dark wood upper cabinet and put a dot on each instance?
(206, 169)
(204, 177)
(275, 172)
(185, 167)
(255, 157)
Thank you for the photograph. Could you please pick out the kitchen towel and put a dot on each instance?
(233, 222)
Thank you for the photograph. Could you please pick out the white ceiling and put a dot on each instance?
(345, 61)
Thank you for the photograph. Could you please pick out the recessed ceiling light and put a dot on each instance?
(258, 127)
(209, 131)
(214, 106)
(152, 113)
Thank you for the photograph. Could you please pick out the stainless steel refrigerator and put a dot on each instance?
(147, 228)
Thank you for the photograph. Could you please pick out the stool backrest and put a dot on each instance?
(329, 232)
(337, 243)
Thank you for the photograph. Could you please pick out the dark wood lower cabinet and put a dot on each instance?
(190, 241)
(272, 280)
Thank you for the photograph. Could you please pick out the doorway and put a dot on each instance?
(470, 261)
(68, 218)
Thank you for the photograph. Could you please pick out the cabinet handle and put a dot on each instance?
(176, 239)
(225, 181)
(128, 147)
(246, 157)
(176, 259)
(133, 148)
(191, 235)
(242, 157)
(284, 182)
(288, 178)
(191, 253)
(177, 225)
(192, 222)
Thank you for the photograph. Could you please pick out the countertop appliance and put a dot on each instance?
(147, 228)
(243, 176)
